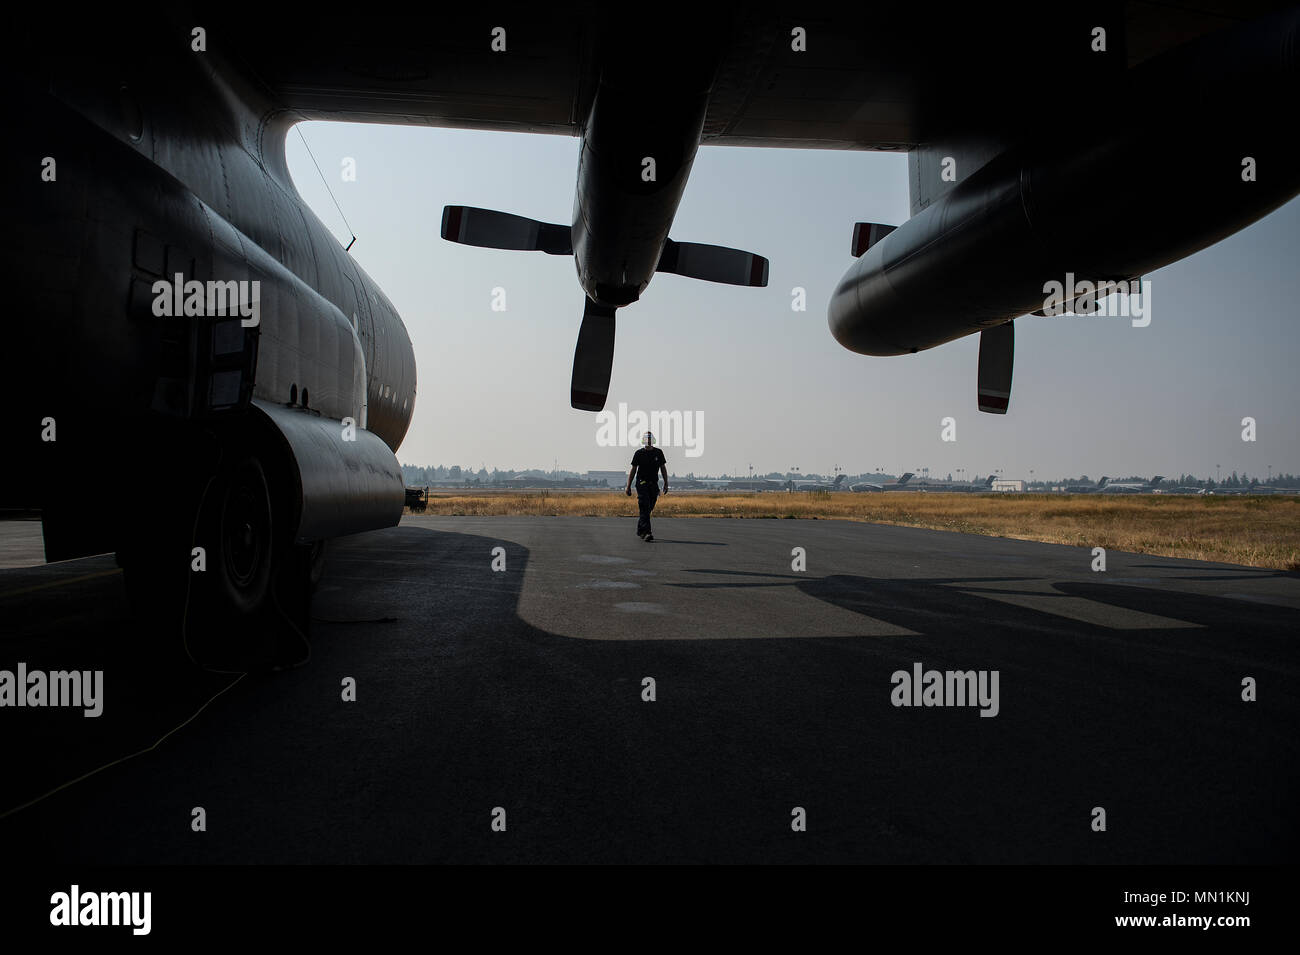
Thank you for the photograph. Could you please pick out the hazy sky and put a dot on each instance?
(771, 385)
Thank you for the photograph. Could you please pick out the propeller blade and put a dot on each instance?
(488, 229)
(593, 359)
(997, 354)
(867, 234)
(713, 263)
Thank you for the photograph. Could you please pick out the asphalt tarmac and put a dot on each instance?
(523, 689)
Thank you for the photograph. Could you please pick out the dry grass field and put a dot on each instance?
(1257, 531)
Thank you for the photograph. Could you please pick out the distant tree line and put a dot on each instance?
(415, 476)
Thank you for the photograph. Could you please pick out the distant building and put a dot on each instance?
(608, 478)
(1000, 485)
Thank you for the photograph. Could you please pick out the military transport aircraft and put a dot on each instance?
(180, 320)
(810, 485)
(1087, 488)
(867, 487)
(1132, 487)
(925, 484)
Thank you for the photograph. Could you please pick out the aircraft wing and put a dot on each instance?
(871, 78)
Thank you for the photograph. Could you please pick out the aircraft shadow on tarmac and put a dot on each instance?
(667, 540)
(957, 606)
(463, 706)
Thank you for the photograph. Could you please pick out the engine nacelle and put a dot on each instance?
(1147, 183)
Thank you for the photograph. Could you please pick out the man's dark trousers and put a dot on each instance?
(647, 492)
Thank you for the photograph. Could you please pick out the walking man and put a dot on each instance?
(647, 464)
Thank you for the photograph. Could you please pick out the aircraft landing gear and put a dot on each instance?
(241, 530)
(218, 572)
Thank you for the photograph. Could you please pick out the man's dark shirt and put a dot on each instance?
(647, 462)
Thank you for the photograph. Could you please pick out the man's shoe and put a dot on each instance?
(648, 538)
(640, 534)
